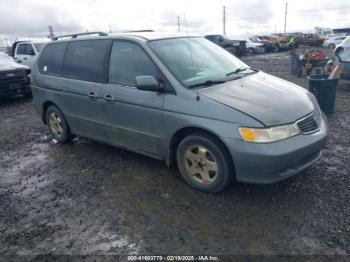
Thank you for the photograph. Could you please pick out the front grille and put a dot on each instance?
(12, 82)
(309, 124)
(12, 77)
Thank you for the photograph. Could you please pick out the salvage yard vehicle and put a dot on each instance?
(333, 42)
(268, 44)
(14, 78)
(25, 52)
(342, 52)
(309, 39)
(255, 47)
(182, 99)
(235, 47)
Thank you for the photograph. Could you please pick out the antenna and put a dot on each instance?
(189, 45)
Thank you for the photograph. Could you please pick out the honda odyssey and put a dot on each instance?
(181, 99)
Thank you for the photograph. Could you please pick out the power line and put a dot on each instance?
(320, 10)
(289, 12)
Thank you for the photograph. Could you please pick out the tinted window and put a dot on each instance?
(51, 59)
(29, 49)
(21, 49)
(210, 37)
(128, 60)
(84, 60)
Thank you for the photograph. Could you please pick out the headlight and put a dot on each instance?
(268, 135)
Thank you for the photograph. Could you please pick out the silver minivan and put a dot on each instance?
(181, 99)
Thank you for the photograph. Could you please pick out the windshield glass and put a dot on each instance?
(195, 60)
(255, 40)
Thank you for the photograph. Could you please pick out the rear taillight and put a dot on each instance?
(30, 83)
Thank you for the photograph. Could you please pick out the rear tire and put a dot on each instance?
(204, 163)
(57, 124)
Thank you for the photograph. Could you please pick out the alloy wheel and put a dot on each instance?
(201, 164)
(56, 124)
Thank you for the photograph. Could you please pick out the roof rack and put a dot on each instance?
(139, 31)
(133, 31)
(80, 34)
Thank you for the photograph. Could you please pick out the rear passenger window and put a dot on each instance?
(129, 60)
(84, 60)
(51, 59)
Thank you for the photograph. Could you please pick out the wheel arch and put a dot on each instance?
(46, 105)
(186, 131)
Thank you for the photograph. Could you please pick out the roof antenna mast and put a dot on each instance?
(190, 49)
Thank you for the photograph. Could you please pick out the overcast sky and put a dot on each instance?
(32, 17)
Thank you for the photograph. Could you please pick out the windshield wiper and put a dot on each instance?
(241, 69)
(208, 83)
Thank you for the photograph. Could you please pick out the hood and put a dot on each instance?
(271, 100)
(7, 63)
(254, 45)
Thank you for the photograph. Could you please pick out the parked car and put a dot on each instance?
(14, 78)
(182, 99)
(235, 47)
(254, 46)
(333, 42)
(270, 46)
(308, 39)
(342, 52)
(25, 52)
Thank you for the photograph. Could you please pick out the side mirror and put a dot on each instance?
(148, 83)
(31, 52)
(221, 39)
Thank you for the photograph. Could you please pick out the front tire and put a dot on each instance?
(57, 124)
(204, 163)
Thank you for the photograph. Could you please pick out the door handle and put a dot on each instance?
(25, 58)
(109, 98)
(19, 61)
(92, 94)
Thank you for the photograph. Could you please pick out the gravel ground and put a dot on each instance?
(89, 198)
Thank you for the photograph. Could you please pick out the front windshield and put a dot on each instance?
(195, 60)
(255, 40)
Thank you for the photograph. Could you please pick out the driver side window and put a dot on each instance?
(129, 60)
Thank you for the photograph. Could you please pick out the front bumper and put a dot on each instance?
(268, 163)
(13, 83)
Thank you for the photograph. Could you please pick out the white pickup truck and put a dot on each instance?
(25, 52)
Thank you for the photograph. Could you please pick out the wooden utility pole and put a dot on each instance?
(285, 18)
(224, 19)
